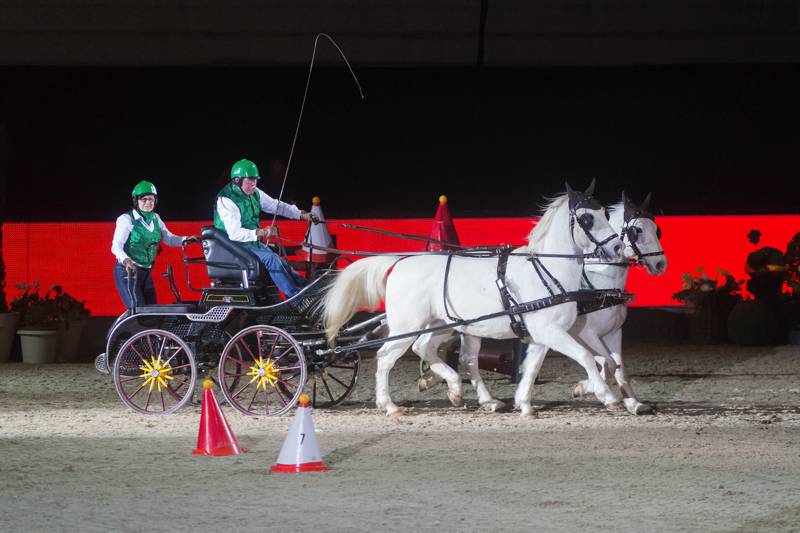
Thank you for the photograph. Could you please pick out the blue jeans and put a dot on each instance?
(287, 280)
(141, 289)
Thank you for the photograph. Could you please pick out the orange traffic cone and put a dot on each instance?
(318, 235)
(443, 228)
(215, 436)
(300, 452)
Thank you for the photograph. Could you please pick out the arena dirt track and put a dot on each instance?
(721, 454)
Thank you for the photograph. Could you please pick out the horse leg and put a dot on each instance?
(560, 340)
(607, 364)
(614, 342)
(530, 368)
(426, 346)
(470, 348)
(429, 379)
(387, 356)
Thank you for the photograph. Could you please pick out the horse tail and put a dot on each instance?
(362, 284)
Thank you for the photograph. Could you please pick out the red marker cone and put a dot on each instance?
(300, 452)
(443, 228)
(215, 436)
(318, 235)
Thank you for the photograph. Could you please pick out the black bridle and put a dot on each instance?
(578, 200)
(631, 232)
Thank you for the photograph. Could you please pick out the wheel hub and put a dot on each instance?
(264, 372)
(156, 373)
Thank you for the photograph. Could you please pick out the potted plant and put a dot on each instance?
(761, 321)
(73, 314)
(791, 307)
(8, 319)
(709, 301)
(39, 322)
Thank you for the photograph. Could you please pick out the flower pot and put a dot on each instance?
(757, 323)
(707, 317)
(38, 345)
(70, 341)
(8, 326)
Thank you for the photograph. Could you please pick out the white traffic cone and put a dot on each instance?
(317, 235)
(300, 452)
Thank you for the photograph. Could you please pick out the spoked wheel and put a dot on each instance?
(330, 384)
(154, 372)
(262, 371)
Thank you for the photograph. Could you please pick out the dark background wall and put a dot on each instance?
(493, 103)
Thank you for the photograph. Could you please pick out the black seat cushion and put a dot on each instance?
(167, 309)
(226, 259)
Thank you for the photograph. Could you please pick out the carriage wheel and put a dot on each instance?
(262, 371)
(154, 372)
(331, 383)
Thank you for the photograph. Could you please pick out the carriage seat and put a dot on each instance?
(225, 260)
(167, 309)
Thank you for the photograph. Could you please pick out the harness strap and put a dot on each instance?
(598, 299)
(444, 292)
(517, 324)
(588, 283)
(539, 267)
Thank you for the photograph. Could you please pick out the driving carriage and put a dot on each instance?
(261, 350)
(265, 351)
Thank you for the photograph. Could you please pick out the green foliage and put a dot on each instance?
(56, 307)
(793, 265)
(698, 287)
(69, 307)
(35, 311)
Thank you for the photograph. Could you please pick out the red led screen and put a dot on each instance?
(78, 255)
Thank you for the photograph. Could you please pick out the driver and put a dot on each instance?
(135, 244)
(237, 213)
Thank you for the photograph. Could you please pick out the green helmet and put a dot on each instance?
(143, 188)
(244, 168)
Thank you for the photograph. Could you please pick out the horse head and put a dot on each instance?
(589, 224)
(642, 236)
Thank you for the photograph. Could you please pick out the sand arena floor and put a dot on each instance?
(721, 454)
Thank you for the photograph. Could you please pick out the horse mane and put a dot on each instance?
(537, 234)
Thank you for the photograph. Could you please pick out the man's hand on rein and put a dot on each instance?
(265, 233)
(309, 217)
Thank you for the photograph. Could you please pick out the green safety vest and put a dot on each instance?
(142, 243)
(249, 208)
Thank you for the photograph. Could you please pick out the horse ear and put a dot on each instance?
(590, 190)
(624, 198)
(569, 189)
(646, 203)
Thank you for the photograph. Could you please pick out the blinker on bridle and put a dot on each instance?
(631, 214)
(582, 200)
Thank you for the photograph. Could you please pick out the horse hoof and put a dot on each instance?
(394, 412)
(455, 399)
(643, 409)
(494, 406)
(422, 384)
(615, 407)
(579, 391)
(526, 411)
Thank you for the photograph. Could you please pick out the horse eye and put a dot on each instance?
(658, 232)
(608, 215)
(587, 220)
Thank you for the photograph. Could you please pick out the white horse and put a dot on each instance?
(413, 289)
(601, 331)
